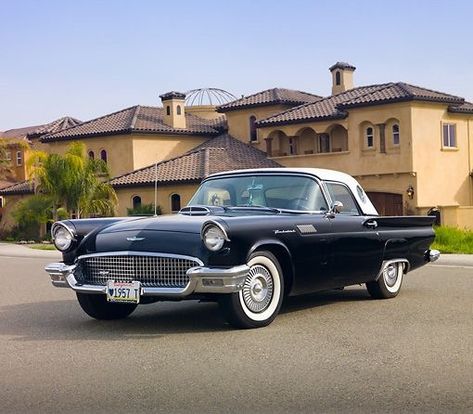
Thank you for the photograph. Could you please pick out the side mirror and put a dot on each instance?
(335, 208)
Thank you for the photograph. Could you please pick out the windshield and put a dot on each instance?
(283, 192)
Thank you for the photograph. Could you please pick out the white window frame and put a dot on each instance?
(8, 155)
(19, 158)
(367, 136)
(450, 138)
(2, 202)
(398, 134)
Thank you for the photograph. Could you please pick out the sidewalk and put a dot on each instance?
(18, 250)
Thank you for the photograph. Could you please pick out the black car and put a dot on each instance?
(247, 239)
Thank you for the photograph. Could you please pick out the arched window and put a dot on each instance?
(396, 139)
(178, 109)
(369, 137)
(91, 155)
(338, 79)
(175, 203)
(253, 134)
(103, 155)
(136, 202)
(168, 110)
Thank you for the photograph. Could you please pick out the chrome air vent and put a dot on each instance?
(195, 211)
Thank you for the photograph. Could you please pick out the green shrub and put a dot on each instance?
(144, 210)
(453, 240)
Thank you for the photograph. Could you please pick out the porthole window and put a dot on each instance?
(175, 203)
(178, 109)
(369, 137)
(103, 156)
(136, 202)
(396, 139)
(91, 155)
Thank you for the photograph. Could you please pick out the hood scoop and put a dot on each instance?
(195, 211)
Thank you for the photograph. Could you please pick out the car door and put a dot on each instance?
(355, 243)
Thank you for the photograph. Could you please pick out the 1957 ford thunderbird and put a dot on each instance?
(247, 239)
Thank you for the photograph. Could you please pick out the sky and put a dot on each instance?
(88, 58)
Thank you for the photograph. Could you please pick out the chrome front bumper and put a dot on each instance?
(201, 280)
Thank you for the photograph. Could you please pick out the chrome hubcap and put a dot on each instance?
(258, 289)
(390, 275)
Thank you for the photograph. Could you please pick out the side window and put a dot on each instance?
(339, 192)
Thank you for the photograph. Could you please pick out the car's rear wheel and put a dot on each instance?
(389, 282)
(97, 307)
(259, 302)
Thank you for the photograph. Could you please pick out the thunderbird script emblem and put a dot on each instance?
(133, 239)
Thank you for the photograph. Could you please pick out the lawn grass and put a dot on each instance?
(41, 246)
(453, 240)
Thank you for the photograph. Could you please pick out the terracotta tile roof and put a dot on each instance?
(142, 119)
(466, 108)
(58, 125)
(270, 97)
(334, 107)
(342, 65)
(18, 133)
(23, 187)
(5, 184)
(222, 153)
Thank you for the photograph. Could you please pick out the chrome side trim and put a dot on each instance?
(136, 253)
(386, 263)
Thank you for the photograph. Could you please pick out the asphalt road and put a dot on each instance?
(332, 352)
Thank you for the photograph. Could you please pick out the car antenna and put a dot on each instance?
(156, 189)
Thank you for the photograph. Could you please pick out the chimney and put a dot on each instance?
(342, 77)
(174, 110)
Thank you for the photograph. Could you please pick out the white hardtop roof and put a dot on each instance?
(323, 174)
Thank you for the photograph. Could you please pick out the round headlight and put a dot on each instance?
(213, 237)
(62, 237)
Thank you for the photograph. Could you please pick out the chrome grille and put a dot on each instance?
(151, 271)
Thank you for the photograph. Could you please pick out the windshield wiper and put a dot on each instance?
(255, 207)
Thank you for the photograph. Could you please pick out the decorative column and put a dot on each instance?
(382, 137)
(269, 146)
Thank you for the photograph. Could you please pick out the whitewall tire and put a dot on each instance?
(259, 302)
(389, 282)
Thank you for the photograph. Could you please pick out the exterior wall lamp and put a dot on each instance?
(410, 192)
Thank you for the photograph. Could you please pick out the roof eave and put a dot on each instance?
(301, 121)
(269, 103)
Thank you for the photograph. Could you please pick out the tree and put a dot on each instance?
(74, 181)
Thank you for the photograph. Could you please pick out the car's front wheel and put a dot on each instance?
(98, 307)
(259, 302)
(389, 282)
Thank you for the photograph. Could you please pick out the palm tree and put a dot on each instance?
(74, 181)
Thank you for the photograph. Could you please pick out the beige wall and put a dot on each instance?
(203, 111)
(239, 121)
(126, 194)
(126, 153)
(149, 149)
(442, 173)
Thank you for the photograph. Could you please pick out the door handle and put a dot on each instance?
(371, 224)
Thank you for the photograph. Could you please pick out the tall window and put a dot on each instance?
(449, 135)
(1, 202)
(292, 146)
(324, 143)
(178, 109)
(103, 155)
(396, 139)
(175, 203)
(19, 158)
(91, 155)
(8, 155)
(136, 202)
(369, 137)
(337, 78)
(168, 110)
(253, 134)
